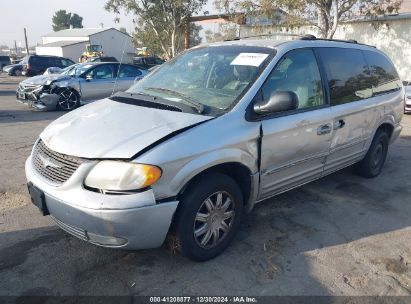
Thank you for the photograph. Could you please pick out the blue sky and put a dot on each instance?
(36, 16)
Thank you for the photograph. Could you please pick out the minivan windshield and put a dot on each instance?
(213, 76)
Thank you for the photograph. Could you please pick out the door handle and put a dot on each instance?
(324, 129)
(339, 124)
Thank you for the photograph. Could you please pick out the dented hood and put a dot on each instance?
(109, 129)
(45, 79)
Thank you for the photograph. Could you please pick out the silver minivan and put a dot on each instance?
(190, 148)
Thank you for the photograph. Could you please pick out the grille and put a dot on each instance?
(77, 232)
(28, 88)
(55, 167)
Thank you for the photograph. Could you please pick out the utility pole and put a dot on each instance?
(187, 32)
(15, 47)
(27, 45)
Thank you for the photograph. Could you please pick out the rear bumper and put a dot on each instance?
(134, 221)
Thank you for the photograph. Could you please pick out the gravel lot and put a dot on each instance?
(341, 235)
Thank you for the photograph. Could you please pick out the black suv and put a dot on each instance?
(37, 64)
(4, 60)
(147, 62)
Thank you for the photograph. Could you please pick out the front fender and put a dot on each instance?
(209, 160)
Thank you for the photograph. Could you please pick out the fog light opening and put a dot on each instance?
(106, 240)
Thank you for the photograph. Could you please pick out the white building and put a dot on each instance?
(71, 43)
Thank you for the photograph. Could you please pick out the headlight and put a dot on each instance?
(121, 176)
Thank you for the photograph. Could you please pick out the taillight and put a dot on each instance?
(27, 67)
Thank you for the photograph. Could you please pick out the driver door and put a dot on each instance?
(295, 144)
(98, 83)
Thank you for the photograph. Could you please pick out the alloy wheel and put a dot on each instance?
(68, 100)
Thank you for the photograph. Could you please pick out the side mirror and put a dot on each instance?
(138, 78)
(279, 101)
(89, 77)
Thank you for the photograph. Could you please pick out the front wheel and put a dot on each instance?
(209, 216)
(68, 99)
(374, 160)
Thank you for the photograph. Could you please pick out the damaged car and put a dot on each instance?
(76, 85)
(191, 147)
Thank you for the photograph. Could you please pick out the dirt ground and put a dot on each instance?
(341, 235)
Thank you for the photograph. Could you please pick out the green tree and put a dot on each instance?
(163, 19)
(226, 31)
(63, 20)
(325, 15)
(195, 38)
(76, 21)
(144, 36)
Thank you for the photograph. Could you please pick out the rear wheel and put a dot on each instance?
(208, 217)
(68, 99)
(374, 160)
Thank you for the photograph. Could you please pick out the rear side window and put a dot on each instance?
(54, 62)
(384, 77)
(40, 61)
(347, 74)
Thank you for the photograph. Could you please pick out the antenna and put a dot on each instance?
(119, 66)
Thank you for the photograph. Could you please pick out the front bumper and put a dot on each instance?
(38, 99)
(132, 221)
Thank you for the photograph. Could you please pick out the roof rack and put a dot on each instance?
(303, 37)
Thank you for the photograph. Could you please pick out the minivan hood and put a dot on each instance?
(43, 79)
(110, 129)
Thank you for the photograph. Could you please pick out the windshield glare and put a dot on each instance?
(214, 76)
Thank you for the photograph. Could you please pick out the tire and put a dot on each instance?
(374, 160)
(69, 99)
(17, 73)
(199, 213)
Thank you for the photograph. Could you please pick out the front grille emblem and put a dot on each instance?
(48, 162)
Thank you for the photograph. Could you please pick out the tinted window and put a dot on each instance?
(347, 73)
(297, 72)
(55, 62)
(128, 71)
(42, 61)
(383, 74)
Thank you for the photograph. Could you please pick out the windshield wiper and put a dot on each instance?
(156, 102)
(195, 104)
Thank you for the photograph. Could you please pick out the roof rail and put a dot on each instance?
(305, 36)
(301, 37)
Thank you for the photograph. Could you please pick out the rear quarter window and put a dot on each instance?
(347, 74)
(384, 76)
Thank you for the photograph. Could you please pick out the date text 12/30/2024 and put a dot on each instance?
(200, 299)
